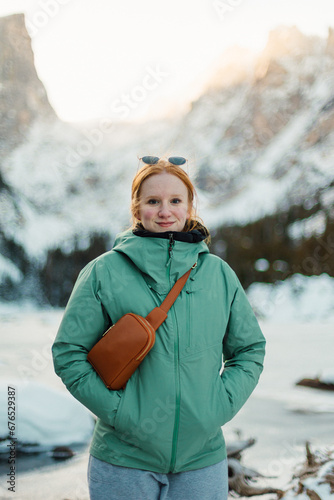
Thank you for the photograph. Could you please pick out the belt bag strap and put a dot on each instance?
(158, 315)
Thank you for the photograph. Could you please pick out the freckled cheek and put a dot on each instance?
(181, 213)
(148, 213)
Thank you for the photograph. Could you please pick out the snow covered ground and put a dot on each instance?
(317, 484)
(297, 299)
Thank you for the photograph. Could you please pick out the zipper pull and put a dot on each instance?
(170, 248)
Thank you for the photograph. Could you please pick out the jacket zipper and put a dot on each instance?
(177, 396)
(170, 249)
(176, 366)
(189, 320)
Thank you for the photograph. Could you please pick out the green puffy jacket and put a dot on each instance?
(169, 416)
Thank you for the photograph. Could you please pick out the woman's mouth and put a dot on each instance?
(165, 224)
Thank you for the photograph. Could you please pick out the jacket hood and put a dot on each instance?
(162, 257)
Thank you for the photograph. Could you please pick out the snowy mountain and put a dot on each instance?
(268, 139)
(22, 95)
(269, 167)
(260, 143)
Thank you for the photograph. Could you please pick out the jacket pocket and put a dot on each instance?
(118, 417)
(132, 416)
(119, 394)
(204, 411)
(226, 412)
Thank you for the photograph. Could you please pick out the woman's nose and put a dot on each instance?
(164, 210)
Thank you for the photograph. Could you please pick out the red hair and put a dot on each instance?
(164, 166)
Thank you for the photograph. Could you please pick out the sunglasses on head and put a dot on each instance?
(174, 160)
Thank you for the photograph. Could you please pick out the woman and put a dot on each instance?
(161, 437)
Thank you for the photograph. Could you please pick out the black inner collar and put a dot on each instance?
(194, 236)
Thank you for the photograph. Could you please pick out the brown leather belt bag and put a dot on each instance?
(126, 343)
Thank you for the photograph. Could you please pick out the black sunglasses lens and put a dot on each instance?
(177, 160)
(150, 160)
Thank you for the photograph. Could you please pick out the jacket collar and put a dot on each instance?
(194, 236)
(152, 255)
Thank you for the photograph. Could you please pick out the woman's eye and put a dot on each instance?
(152, 202)
(175, 201)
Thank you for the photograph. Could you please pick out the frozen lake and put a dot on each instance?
(279, 415)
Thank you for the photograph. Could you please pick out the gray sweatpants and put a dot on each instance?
(110, 482)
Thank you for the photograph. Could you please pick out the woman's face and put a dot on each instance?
(163, 203)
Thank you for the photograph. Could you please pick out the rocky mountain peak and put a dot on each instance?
(330, 41)
(23, 98)
(285, 45)
(287, 40)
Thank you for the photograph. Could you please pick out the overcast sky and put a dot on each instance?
(125, 59)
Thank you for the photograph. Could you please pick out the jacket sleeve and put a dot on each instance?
(243, 351)
(83, 324)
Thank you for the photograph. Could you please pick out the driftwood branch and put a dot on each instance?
(316, 383)
(239, 480)
(310, 469)
(243, 480)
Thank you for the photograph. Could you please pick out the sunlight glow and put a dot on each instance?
(156, 56)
